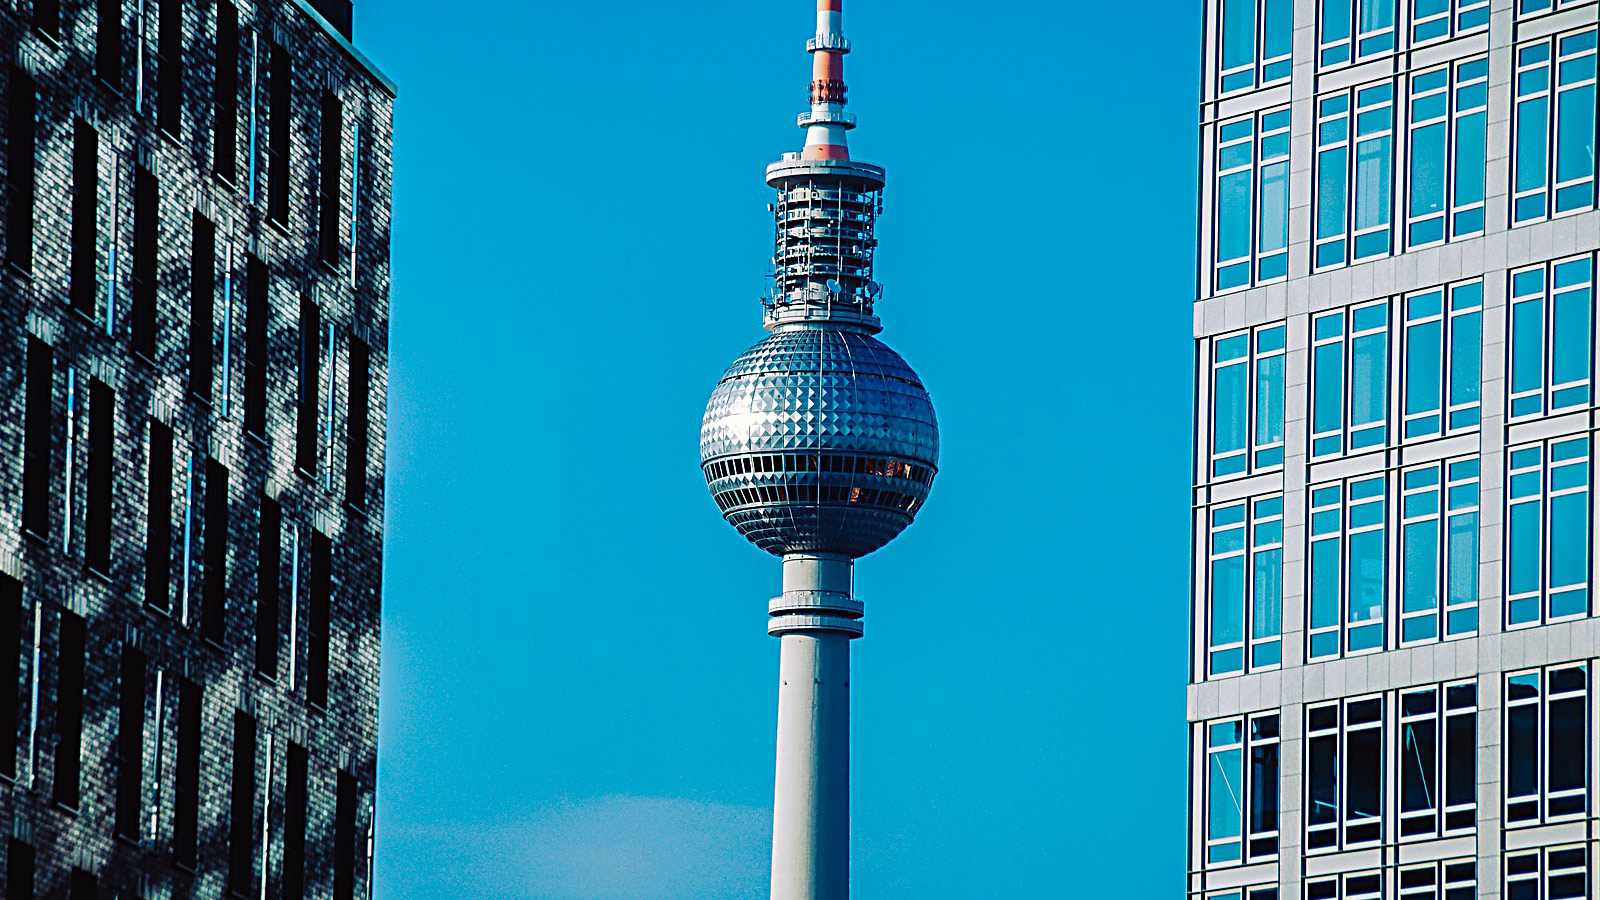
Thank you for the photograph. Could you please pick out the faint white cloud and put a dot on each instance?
(606, 848)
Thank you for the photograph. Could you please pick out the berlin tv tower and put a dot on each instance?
(819, 445)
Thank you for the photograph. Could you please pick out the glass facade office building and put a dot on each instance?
(1394, 633)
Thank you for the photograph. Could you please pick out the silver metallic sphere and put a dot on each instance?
(819, 439)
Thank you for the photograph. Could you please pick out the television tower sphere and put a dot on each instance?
(819, 439)
(819, 445)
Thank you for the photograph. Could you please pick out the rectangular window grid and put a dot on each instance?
(1364, 28)
(1256, 43)
(1344, 774)
(1551, 332)
(1547, 532)
(1439, 551)
(1349, 567)
(1548, 873)
(1247, 385)
(1443, 346)
(1252, 191)
(1553, 171)
(1355, 173)
(1435, 20)
(1450, 879)
(1242, 790)
(1349, 379)
(1437, 760)
(1246, 586)
(1546, 744)
(1446, 152)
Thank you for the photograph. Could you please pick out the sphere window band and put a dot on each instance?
(818, 462)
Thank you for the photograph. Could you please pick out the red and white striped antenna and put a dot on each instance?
(827, 123)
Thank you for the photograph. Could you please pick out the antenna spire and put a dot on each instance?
(827, 123)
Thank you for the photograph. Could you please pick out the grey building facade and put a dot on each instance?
(1393, 635)
(193, 357)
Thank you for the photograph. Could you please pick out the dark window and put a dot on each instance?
(36, 438)
(268, 559)
(21, 105)
(214, 618)
(10, 671)
(19, 870)
(97, 518)
(69, 709)
(305, 455)
(83, 886)
(158, 519)
(317, 620)
(169, 67)
(344, 838)
(202, 300)
(226, 138)
(85, 214)
(186, 799)
(146, 221)
(294, 825)
(356, 421)
(332, 158)
(278, 75)
(108, 42)
(47, 17)
(256, 315)
(130, 744)
(241, 830)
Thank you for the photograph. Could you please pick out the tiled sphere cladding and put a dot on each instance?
(821, 390)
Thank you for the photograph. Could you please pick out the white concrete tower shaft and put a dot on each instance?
(816, 618)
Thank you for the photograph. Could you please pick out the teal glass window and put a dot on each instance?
(1252, 201)
(1247, 377)
(1256, 48)
(1442, 360)
(1551, 327)
(1242, 798)
(1350, 379)
(1354, 29)
(1244, 601)
(1349, 567)
(1536, 7)
(1439, 551)
(1447, 134)
(1553, 160)
(1355, 173)
(1546, 745)
(1433, 20)
(1547, 532)
(1437, 758)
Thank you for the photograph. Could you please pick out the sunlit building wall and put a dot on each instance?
(1393, 635)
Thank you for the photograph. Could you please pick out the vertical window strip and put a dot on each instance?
(21, 133)
(1344, 774)
(225, 397)
(1245, 582)
(1429, 157)
(1554, 161)
(1332, 180)
(1546, 744)
(69, 464)
(331, 358)
(1547, 533)
(1425, 363)
(38, 423)
(1469, 144)
(85, 217)
(11, 655)
(1354, 175)
(1460, 551)
(355, 194)
(1437, 754)
(1242, 790)
(1252, 200)
(1552, 327)
(1247, 402)
(1465, 342)
(1348, 567)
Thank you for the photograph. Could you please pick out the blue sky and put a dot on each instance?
(578, 691)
